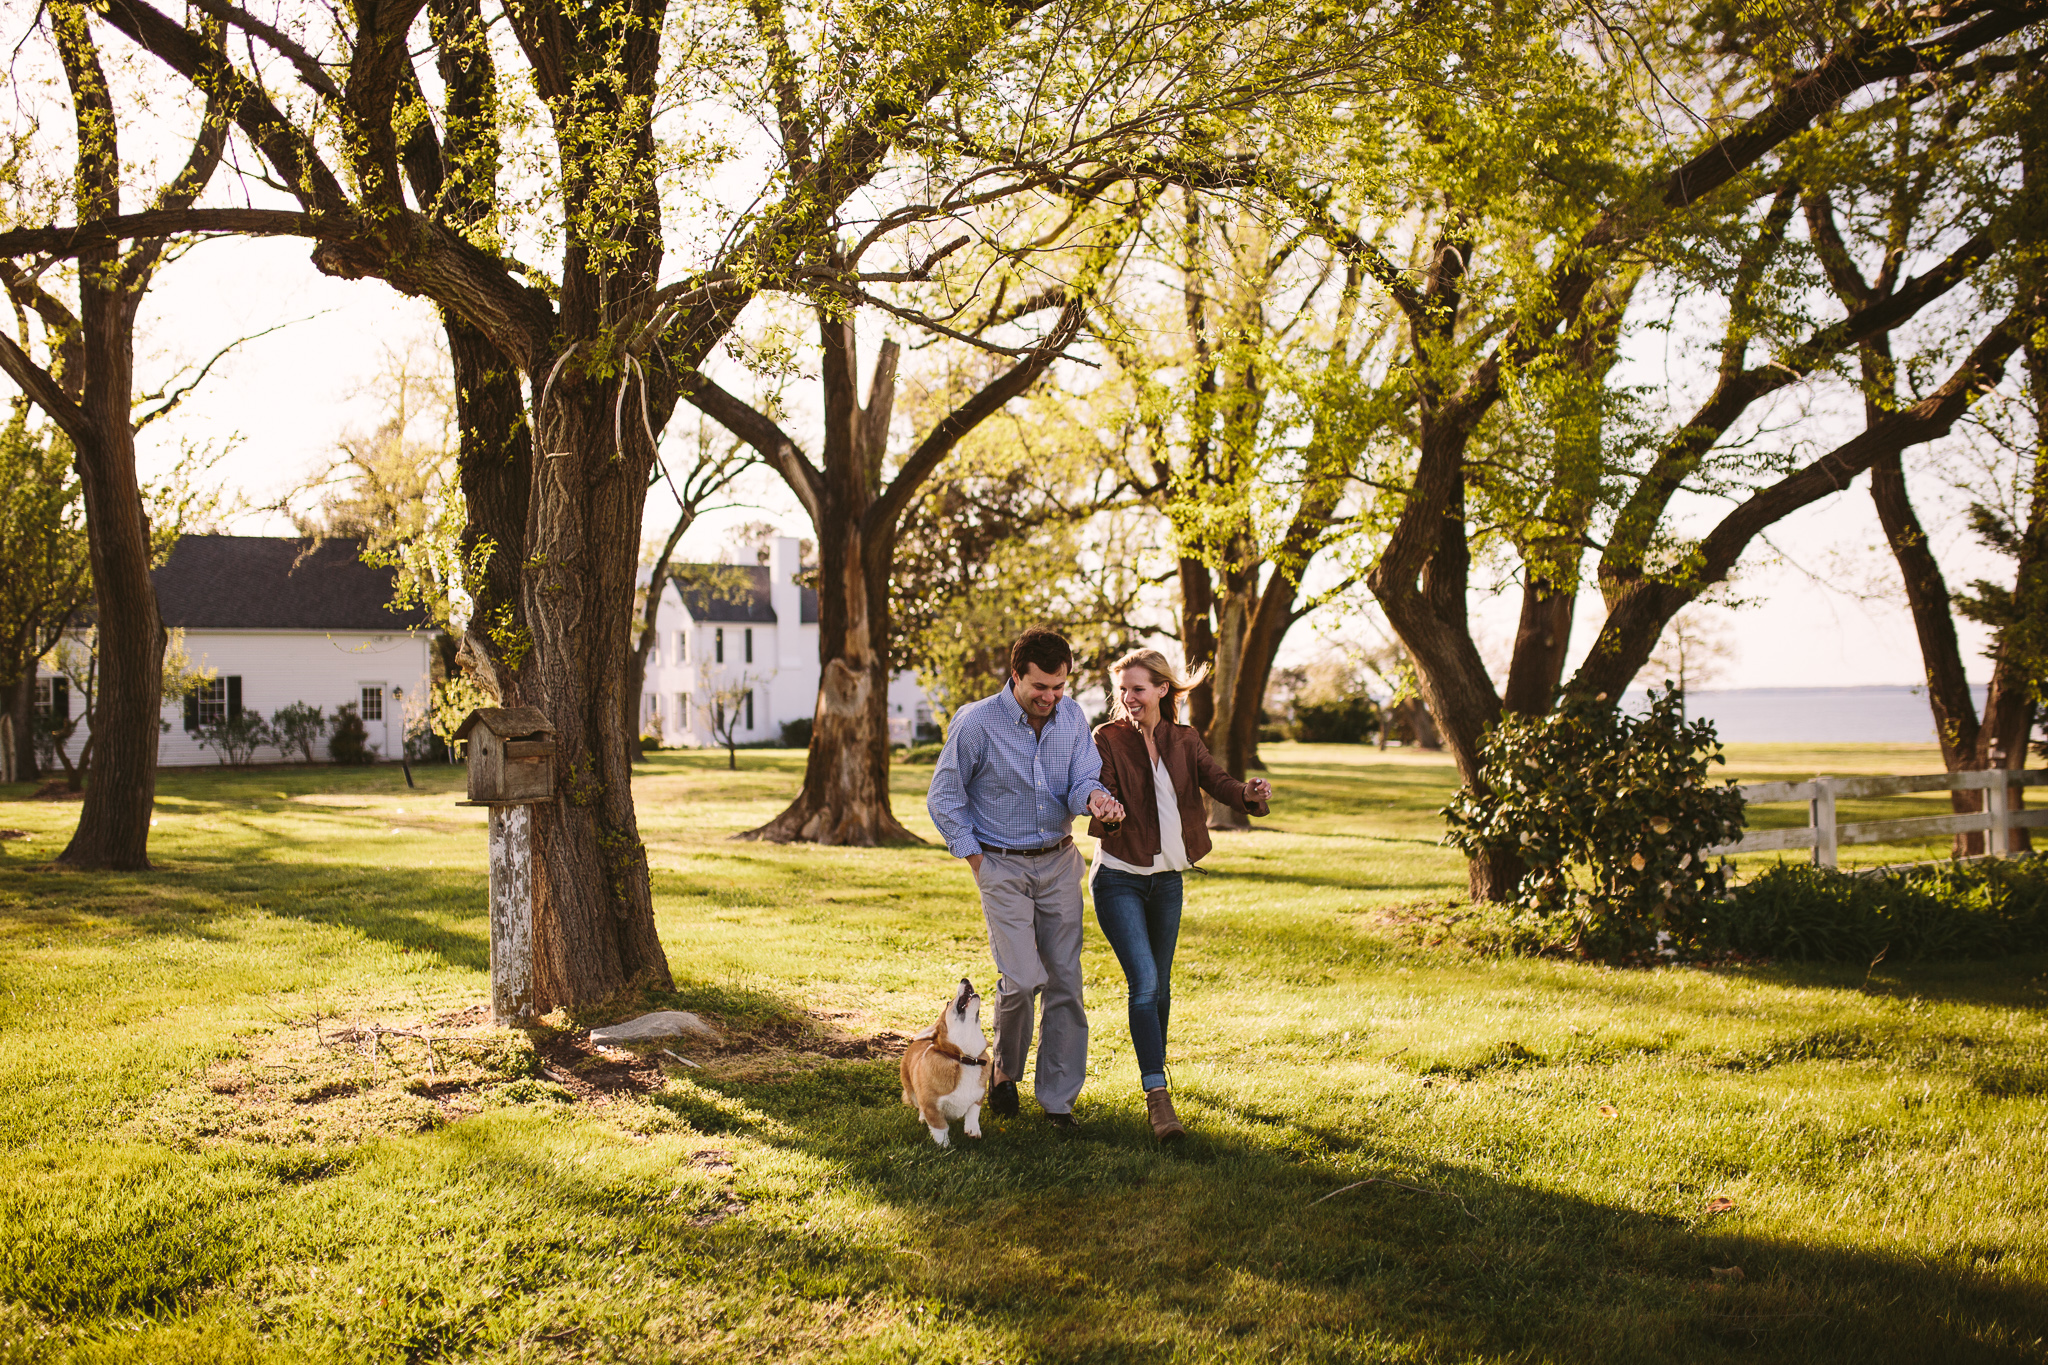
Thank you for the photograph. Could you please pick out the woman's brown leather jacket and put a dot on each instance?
(1127, 772)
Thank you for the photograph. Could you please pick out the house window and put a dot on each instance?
(213, 701)
(750, 705)
(373, 703)
(718, 645)
(653, 701)
(683, 710)
(682, 646)
(748, 642)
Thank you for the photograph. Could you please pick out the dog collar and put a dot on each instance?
(948, 1050)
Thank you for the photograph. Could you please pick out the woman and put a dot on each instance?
(1158, 769)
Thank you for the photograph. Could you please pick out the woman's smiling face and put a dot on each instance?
(1141, 692)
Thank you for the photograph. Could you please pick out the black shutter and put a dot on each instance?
(750, 646)
(60, 699)
(235, 697)
(750, 710)
(191, 708)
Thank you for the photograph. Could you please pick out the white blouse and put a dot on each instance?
(1173, 848)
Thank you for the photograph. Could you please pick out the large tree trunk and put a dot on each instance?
(496, 470)
(1198, 638)
(22, 708)
(1235, 728)
(1428, 613)
(845, 796)
(1956, 727)
(1542, 639)
(1229, 693)
(113, 824)
(594, 917)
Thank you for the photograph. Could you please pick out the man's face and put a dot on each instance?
(1037, 691)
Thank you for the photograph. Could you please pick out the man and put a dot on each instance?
(1016, 770)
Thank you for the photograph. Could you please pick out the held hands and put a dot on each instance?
(1105, 808)
(1258, 789)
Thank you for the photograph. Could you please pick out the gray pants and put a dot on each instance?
(1033, 908)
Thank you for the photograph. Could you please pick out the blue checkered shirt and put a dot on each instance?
(1001, 784)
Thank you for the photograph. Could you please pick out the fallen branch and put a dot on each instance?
(1402, 1184)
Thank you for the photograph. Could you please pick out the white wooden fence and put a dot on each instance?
(1824, 835)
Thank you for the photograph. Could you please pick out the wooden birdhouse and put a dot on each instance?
(511, 755)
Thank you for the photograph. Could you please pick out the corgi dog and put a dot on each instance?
(945, 1068)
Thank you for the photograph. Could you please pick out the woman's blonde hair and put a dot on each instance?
(1162, 671)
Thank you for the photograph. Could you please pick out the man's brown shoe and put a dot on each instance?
(1166, 1125)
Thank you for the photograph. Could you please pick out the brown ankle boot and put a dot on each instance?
(1166, 1126)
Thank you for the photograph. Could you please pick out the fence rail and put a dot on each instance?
(1825, 835)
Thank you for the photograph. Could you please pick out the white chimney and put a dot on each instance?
(783, 566)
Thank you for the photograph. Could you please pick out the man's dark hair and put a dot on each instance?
(1046, 648)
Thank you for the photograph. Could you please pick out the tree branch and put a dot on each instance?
(173, 396)
(33, 380)
(310, 71)
(1646, 606)
(760, 431)
(86, 237)
(883, 513)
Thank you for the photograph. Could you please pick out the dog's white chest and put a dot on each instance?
(964, 1096)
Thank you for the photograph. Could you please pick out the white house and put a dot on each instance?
(751, 626)
(281, 621)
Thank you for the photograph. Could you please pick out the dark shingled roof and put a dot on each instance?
(722, 593)
(273, 583)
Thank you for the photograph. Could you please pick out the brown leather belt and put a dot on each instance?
(1030, 852)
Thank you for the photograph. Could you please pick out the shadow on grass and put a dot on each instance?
(418, 909)
(1246, 1241)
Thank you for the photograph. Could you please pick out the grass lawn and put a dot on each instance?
(208, 1152)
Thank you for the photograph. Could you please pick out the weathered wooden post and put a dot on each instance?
(511, 769)
(1825, 852)
(1998, 805)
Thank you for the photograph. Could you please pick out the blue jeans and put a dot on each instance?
(1140, 916)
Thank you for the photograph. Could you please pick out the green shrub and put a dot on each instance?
(298, 726)
(1608, 813)
(1984, 908)
(920, 753)
(349, 743)
(796, 734)
(1347, 720)
(237, 738)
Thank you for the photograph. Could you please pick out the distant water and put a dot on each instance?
(1817, 715)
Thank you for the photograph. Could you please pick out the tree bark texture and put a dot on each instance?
(594, 909)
